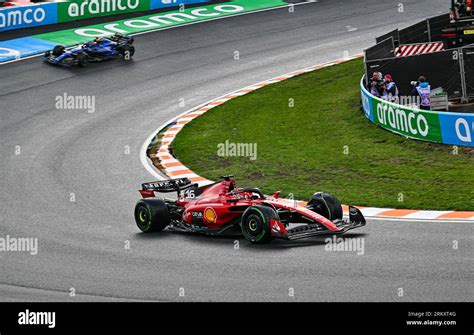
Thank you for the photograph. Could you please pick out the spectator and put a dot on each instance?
(461, 8)
(422, 89)
(391, 89)
(376, 85)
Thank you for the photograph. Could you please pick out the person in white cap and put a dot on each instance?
(376, 87)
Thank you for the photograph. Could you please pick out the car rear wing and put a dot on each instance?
(119, 38)
(166, 186)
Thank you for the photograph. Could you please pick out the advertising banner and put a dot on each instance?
(158, 21)
(437, 127)
(50, 13)
(20, 48)
(457, 128)
(83, 9)
(16, 17)
(413, 123)
(367, 102)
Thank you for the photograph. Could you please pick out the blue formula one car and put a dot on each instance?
(95, 51)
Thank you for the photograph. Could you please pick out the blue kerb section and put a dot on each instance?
(23, 47)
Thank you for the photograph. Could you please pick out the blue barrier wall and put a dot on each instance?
(47, 13)
(438, 127)
(28, 16)
(457, 128)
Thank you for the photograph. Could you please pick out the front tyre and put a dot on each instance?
(151, 215)
(256, 226)
(82, 60)
(58, 50)
(326, 205)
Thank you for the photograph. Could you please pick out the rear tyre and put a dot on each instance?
(151, 215)
(58, 50)
(326, 205)
(256, 226)
(127, 52)
(82, 60)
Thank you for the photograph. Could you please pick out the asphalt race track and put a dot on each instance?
(75, 155)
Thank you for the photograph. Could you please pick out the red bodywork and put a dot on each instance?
(221, 204)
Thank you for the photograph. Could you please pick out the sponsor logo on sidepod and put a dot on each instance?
(160, 21)
(197, 215)
(210, 215)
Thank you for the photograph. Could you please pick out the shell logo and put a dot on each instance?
(210, 215)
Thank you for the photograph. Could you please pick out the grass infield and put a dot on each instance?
(324, 143)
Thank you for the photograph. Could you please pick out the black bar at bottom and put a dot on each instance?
(443, 318)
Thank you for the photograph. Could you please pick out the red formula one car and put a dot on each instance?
(221, 207)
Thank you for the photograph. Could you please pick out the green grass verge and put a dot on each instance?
(301, 149)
